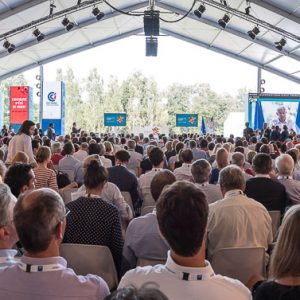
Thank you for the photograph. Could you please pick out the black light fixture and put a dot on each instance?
(52, 6)
(9, 47)
(39, 36)
(69, 25)
(78, 2)
(223, 22)
(247, 10)
(198, 12)
(151, 46)
(97, 13)
(254, 32)
(279, 45)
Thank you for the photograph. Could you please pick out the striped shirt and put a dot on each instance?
(45, 178)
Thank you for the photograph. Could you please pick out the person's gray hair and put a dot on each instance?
(238, 159)
(56, 147)
(102, 149)
(232, 178)
(6, 198)
(284, 164)
(201, 170)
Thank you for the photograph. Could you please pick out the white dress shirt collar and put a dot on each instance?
(262, 175)
(232, 193)
(188, 273)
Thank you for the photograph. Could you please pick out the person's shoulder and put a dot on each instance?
(230, 285)
(139, 275)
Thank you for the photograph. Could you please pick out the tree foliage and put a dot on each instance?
(87, 100)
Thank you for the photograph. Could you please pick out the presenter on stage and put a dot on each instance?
(22, 142)
(282, 119)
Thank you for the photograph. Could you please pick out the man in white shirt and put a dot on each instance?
(135, 157)
(184, 172)
(82, 153)
(201, 171)
(8, 234)
(182, 213)
(156, 157)
(40, 220)
(237, 221)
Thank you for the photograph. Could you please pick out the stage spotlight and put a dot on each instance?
(223, 22)
(198, 12)
(69, 25)
(39, 36)
(9, 47)
(97, 13)
(279, 45)
(151, 46)
(254, 32)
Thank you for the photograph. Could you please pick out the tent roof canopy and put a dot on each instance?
(232, 41)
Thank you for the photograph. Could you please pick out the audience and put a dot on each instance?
(236, 220)
(125, 180)
(284, 278)
(184, 172)
(8, 234)
(94, 221)
(182, 213)
(271, 193)
(20, 157)
(20, 178)
(238, 159)
(56, 153)
(285, 167)
(142, 239)
(135, 157)
(22, 142)
(39, 218)
(201, 171)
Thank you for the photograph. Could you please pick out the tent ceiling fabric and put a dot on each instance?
(232, 41)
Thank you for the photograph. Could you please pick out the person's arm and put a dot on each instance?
(28, 149)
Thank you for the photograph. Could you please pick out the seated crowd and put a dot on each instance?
(164, 206)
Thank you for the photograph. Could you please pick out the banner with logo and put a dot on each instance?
(21, 105)
(115, 119)
(53, 106)
(187, 120)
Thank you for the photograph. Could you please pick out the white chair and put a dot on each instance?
(142, 262)
(239, 263)
(66, 194)
(276, 219)
(127, 198)
(70, 174)
(91, 259)
(146, 210)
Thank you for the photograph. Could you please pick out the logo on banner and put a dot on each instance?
(52, 99)
(52, 96)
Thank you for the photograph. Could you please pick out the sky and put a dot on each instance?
(177, 61)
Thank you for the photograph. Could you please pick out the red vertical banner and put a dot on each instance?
(19, 104)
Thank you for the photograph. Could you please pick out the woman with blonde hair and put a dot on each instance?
(222, 161)
(20, 157)
(109, 152)
(284, 282)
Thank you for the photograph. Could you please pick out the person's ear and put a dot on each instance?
(59, 231)
(23, 189)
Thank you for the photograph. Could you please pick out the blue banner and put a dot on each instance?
(115, 119)
(203, 127)
(259, 119)
(298, 120)
(186, 120)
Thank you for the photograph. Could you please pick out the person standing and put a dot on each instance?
(51, 132)
(248, 131)
(22, 142)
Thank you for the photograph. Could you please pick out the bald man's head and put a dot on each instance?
(36, 215)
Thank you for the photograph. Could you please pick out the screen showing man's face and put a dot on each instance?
(281, 113)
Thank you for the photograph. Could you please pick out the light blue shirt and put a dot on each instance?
(62, 284)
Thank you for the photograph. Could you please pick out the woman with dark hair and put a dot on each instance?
(22, 142)
(92, 220)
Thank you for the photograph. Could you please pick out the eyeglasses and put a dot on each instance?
(67, 212)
